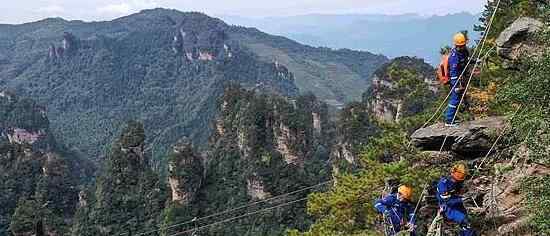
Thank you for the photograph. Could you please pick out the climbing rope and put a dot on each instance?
(443, 103)
(483, 41)
(303, 199)
(435, 228)
(494, 201)
(385, 218)
(437, 113)
(419, 201)
(508, 125)
(238, 217)
(459, 105)
(476, 51)
(233, 209)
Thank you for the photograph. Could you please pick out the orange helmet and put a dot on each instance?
(459, 39)
(458, 172)
(405, 191)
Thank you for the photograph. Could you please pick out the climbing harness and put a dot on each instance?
(436, 226)
(389, 227)
(484, 40)
(479, 59)
(437, 112)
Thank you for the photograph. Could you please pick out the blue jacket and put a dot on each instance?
(396, 208)
(457, 62)
(448, 193)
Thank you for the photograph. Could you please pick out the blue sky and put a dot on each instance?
(19, 11)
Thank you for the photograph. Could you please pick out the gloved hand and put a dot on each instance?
(442, 209)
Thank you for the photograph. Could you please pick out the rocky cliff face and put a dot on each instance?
(39, 179)
(355, 127)
(127, 195)
(504, 196)
(495, 196)
(24, 123)
(174, 64)
(161, 65)
(69, 46)
(507, 182)
(185, 169)
(262, 146)
(471, 139)
(292, 128)
(204, 45)
(401, 88)
(519, 40)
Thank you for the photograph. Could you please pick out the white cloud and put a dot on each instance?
(51, 9)
(122, 8)
(144, 4)
(19, 11)
(127, 7)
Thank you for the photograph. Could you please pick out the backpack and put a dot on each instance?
(443, 70)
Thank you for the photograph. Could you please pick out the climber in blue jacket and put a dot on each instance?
(451, 205)
(398, 210)
(458, 59)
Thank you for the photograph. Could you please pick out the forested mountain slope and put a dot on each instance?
(502, 138)
(263, 147)
(335, 76)
(39, 178)
(164, 67)
(269, 147)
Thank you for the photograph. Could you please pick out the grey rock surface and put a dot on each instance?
(469, 138)
(517, 40)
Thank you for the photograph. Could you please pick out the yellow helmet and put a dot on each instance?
(405, 191)
(459, 39)
(458, 172)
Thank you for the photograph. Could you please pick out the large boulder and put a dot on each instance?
(517, 40)
(469, 139)
(435, 158)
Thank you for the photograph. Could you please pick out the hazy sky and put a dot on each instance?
(19, 11)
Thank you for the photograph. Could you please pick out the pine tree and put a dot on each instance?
(128, 195)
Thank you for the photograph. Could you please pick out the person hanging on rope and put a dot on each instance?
(457, 61)
(450, 202)
(398, 210)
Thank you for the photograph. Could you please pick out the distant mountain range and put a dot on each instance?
(390, 35)
(163, 67)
